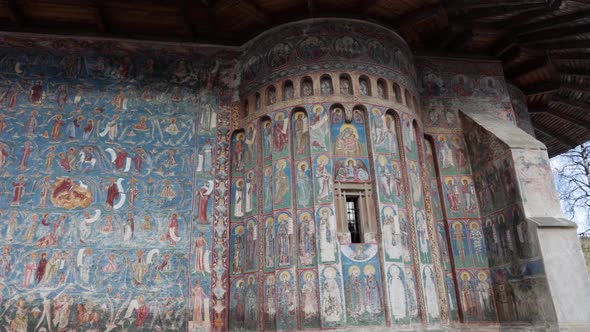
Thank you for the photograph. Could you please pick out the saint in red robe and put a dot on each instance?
(112, 194)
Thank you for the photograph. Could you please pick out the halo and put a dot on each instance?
(457, 224)
(280, 116)
(330, 273)
(465, 276)
(285, 275)
(376, 111)
(354, 270)
(251, 223)
(318, 109)
(474, 225)
(251, 278)
(323, 159)
(305, 214)
(310, 274)
(388, 211)
(270, 279)
(239, 183)
(239, 136)
(239, 230)
(482, 276)
(281, 164)
(382, 159)
(369, 270)
(269, 221)
(301, 165)
(352, 127)
(239, 283)
(321, 211)
(282, 217)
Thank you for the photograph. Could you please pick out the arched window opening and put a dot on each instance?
(408, 99)
(257, 101)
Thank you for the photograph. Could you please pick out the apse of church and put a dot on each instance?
(318, 177)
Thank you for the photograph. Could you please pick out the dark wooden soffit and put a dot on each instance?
(544, 45)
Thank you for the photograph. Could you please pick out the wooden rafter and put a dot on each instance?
(552, 34)
(567, 44)
(479, 4)
(583, 73)
(571, 119)
(570, 56)
(527, 67)
(496, 11)
(571, 103)
(417, 16)
(552, 22)
(564, 140)
(541, 88)
(576, 87)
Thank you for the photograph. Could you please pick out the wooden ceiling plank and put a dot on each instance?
(454, 5)
(417, 16)
(496, 11)
(570, 56)
(541, 88)
(570, 103)
(564, 140)
(552, 34)
(576, 87)
(526, 68)
(567, 44)
(15, 14)
(573, 120)
(552, 22)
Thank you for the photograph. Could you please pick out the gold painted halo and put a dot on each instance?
(465, 276)
(301, 164)
(285, 275)
(269, 221)
(369, 270)
(330, 273)
(376, 111)
(318, 109)
(482, 276)
(281, 164)
(323, 159)
(239, 230)
(308, 274)
(321, 211)
(354, 270)
(305, 214)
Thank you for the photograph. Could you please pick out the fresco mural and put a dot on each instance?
(138, 192)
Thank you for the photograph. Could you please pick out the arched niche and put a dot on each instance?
(326, 86)
(288, 90)
(365, 86)
(408, 98)
(345, 85)
(271, 95)
(397, 91)
(382, 91)
(306, 87)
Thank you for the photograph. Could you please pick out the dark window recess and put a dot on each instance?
(352, 217)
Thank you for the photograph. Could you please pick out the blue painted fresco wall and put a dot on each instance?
(106, 179)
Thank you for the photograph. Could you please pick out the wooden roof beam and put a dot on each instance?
(552, 22)
(570, 56)
(571, 119)
(584, 73)
(576, 87)
(564, 140)
(541, 88)
(552, 34)
(417, 16)
(15, 14)
(460, 40)
(563, 45)
(477, 4)
(496, 11)
(527, 67)
(570, 103)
